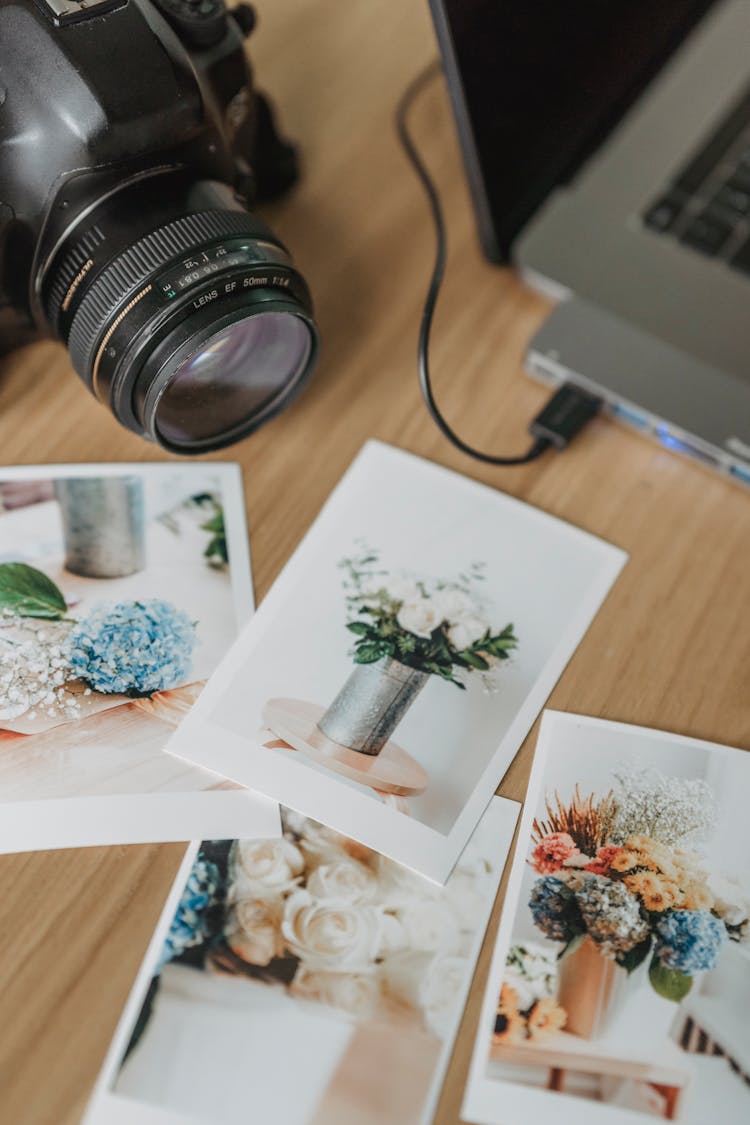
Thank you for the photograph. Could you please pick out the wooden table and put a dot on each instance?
(670, 648)
(663, 1068)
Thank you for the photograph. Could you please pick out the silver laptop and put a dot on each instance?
(608, 151)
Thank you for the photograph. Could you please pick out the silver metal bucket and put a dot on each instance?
(371, 704)
(103, 525)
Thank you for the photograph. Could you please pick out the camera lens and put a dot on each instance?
(236, 373)
(183, 313)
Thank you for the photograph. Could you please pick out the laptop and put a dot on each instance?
(607, 146)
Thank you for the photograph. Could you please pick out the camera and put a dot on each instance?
(132, 143)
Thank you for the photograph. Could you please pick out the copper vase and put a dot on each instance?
(591, 988)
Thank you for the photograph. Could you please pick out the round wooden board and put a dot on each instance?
(390, 771)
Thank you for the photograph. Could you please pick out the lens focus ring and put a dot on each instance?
(122, 280)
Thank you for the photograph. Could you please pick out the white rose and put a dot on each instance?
(401, 589)
(731, 900)
(263, 868)
(254, 930)
(343, 881)
(319, 844)
(431, 926)
(356, 993)
(524, 988)
(465, 631)
(420, 616)
(332, 935)
(441, 993)
(455, 603)
(429, 983)
(399, 886)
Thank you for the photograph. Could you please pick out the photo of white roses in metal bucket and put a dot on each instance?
(308, 977)
(621, 978)
(120, 589)
(398, 662)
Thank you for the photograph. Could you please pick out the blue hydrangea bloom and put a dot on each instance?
(689, 940)
(134, 648)
(555, 910)
(189, 926)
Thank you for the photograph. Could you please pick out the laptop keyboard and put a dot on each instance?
(707, 205)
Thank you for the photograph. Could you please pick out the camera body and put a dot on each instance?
(131, 144)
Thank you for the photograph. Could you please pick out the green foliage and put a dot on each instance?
(28, 592)
(379, 635)
(635, 956)
(217, 551)
(669, 983)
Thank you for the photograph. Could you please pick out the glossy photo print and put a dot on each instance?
(399, 660)
(302, 981)
(121, 588)
(620, 982)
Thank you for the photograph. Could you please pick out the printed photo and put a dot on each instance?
(400, 659)
(620, 982)
(121, 588)
(302, 981)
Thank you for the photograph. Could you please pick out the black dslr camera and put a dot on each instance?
(131, 143)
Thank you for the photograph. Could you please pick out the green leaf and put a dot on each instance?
(215, 524)
(635, 956)
(669, 983)
(358, 627)
(29, 593)
(474, 660)
(367, 654)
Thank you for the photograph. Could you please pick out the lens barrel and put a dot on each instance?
(193, 331)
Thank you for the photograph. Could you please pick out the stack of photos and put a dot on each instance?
(121, 588)
(397, 664)
(620, 983)
(302, 981)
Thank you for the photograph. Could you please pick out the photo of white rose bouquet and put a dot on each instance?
(300, 972)
(333, 922)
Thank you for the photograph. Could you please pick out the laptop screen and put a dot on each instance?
(537, 85)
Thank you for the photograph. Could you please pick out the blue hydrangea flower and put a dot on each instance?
(189, 925)
(689, 940)
(555, 910)
(134, 648)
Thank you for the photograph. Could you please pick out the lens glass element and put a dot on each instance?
(234, 376)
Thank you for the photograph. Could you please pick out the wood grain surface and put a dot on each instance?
(670, 647)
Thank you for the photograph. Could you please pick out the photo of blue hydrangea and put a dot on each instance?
(132, 648)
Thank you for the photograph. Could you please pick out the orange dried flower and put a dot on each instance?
(509, 1029)
(510, 1026)
(624, 861)
(545, 1018)
(508, 1002)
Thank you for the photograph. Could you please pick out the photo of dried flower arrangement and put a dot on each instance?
(623, 965)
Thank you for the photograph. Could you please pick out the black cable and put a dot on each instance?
(568, 410)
